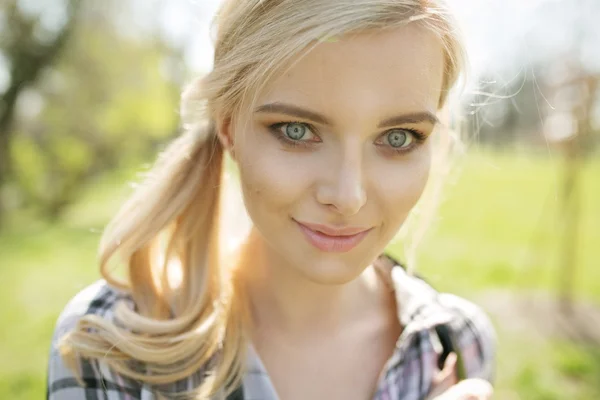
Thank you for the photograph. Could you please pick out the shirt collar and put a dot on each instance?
(418, 309)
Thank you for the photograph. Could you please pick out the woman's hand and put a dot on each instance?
(447, 387)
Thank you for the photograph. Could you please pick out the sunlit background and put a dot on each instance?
(89, 94)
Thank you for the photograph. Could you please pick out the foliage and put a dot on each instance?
(110, 97)
(28, 45)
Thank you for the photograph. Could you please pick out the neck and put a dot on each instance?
(283, 299)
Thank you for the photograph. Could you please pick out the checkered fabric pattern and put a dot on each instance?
(407, 374)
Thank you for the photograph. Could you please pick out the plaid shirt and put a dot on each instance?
(407, 375)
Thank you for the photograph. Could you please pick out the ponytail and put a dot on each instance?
(168, 228)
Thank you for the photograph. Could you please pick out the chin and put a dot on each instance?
(331, 269)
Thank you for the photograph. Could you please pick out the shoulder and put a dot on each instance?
(422, 308)
(474, 334)
(98, 299)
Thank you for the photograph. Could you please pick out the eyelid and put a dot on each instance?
(281, 136)
(417, 134)
(310, 126)
(418, 138)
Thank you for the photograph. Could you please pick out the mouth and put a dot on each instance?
(333, 240)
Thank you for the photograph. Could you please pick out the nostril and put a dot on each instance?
(343, 191)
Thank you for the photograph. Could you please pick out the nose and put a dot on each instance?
(342, 188)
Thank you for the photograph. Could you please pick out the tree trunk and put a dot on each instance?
(27, 57)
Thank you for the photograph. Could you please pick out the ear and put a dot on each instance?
(225, 135)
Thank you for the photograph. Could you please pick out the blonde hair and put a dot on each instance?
(172, 219)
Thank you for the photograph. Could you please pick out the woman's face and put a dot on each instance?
(335, 154)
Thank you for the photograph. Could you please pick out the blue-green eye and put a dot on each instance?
(295, 134)
(398, 138)
(295, 131)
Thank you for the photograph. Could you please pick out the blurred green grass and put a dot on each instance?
(498, 229)
(500, 225)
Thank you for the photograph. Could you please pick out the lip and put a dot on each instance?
(335, 240)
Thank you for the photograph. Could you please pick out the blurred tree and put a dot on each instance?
(109, 100)
(29, 42)
(569, 128)
(513, 97)
(555, 105)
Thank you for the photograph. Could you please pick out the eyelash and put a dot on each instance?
(418, 137)
(282, 137)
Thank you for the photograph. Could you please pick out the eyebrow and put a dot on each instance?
(410, 118)
(295, 111)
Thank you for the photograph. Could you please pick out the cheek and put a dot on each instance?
(403, 188)
(272, 180)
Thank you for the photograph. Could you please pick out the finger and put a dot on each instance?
(450, 364)
(445, 378)
(448, 370)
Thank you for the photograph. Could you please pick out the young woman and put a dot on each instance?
(330, 111)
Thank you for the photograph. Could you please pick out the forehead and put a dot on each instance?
(373, 72)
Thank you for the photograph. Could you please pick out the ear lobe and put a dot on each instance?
(225, 135)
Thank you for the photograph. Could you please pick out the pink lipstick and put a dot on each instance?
(335, 240)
